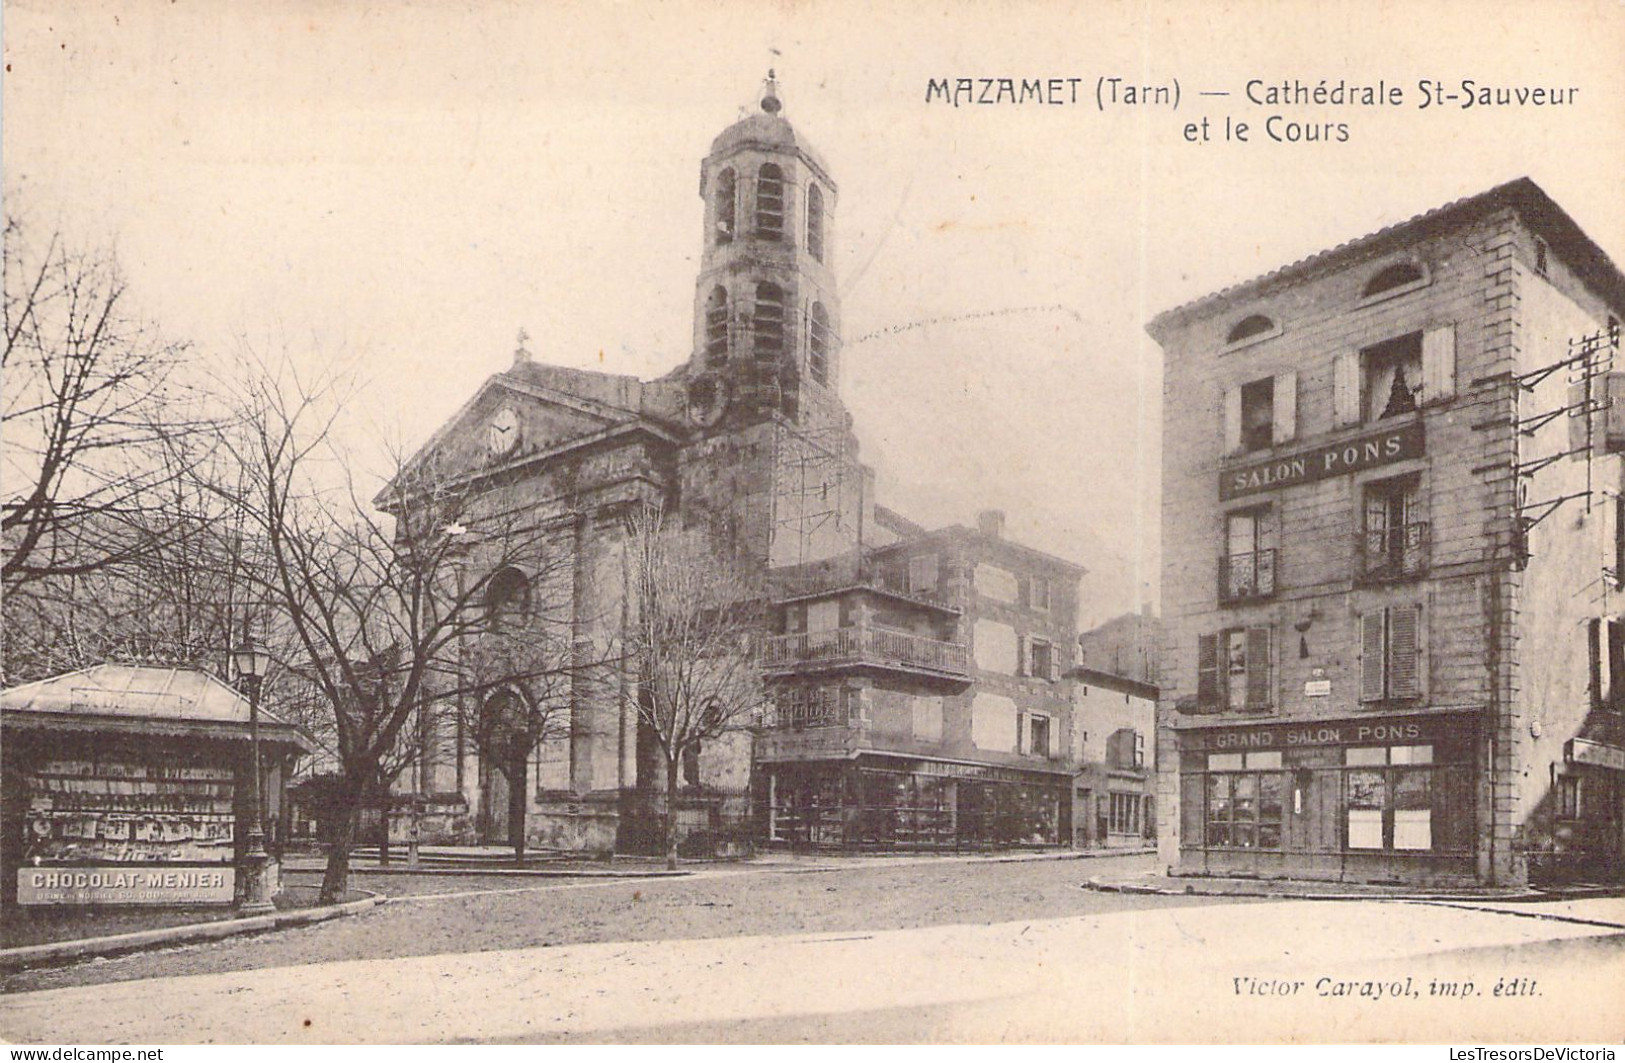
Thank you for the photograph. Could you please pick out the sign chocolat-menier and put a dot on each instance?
(152, 884)
(1324, 462)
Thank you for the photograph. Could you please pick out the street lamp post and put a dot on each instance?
(252, 663)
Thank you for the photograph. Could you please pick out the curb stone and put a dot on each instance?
(1287, 893)
(57, 951)
(512, 872)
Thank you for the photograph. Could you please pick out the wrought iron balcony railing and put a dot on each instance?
(1246, 576)
(865, 645)
(1392, 553)
(796, 715)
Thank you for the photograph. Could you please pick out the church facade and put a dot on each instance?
(917, 679)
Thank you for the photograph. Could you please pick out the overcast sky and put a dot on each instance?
(401, 187)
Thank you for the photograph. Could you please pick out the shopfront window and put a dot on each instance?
(806, 807)
(1125, 814)
(1244, 800)
(1392, 796)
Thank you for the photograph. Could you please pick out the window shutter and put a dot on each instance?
(1285, 423)
(1373, 670)
(1579, 417)
(1258, 668)
(1594, 644)
(1619, 538)
(1616, 665)
(1207, 671)
(1614, 417)
(1439, 363)
(1232, 420)
(1346, 388)
(1021, 732)
(1021, 655)
(1404, 651)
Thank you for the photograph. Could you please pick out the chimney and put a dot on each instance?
(990, 522)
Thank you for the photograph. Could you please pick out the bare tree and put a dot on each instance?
(169, 600)
(93, 401)
(693, 643)
(378, 607)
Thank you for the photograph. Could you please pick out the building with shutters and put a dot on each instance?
(916, 678)
(923, 700)
(1114, 792)
(1392, 559)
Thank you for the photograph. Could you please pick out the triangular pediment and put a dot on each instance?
(508, 420)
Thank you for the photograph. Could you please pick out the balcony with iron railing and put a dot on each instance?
(865, 647)
(1384, 555)
(1246, 577)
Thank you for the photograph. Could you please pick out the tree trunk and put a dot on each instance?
(336, 879)
(383, 830)
(671, 813)
(516, 809)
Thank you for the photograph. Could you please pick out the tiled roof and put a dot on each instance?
(1564, 237)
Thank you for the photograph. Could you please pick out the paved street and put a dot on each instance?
(934, 951)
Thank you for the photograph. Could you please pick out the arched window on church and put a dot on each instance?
(725, 206)
(818, 344)
(815, 222)
(716, 326)
(507, 597)
(767, 322)
(770, 202)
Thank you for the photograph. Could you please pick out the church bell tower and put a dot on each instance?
(767, 320)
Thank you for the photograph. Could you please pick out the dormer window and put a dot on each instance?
(1250, 327)
(769, 202)
(726, 192)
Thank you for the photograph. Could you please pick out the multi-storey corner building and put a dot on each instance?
(917, 678)
(922, 697)
(1392, 558)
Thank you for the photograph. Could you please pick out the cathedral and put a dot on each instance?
(918, 679)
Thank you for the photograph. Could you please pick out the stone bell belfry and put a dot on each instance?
(766, 315)
(763, 374)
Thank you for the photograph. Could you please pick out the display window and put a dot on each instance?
(1402, 799)
(1398, 799)
(1244, 804)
